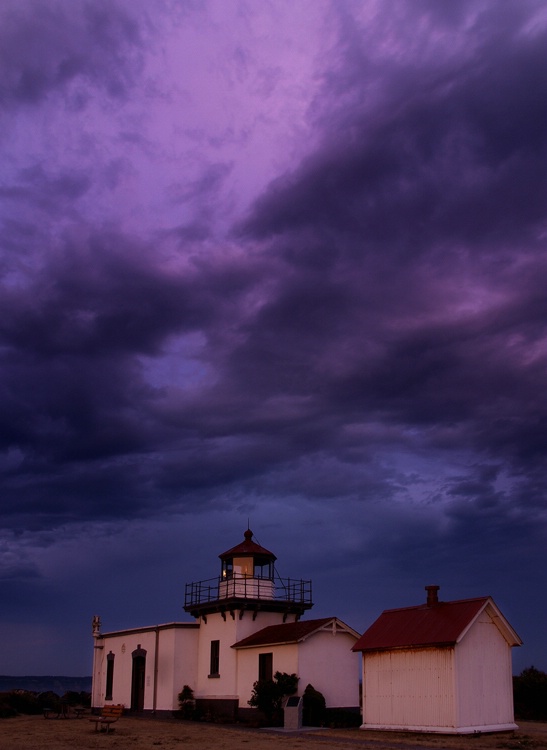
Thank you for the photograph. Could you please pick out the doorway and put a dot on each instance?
(138, 679)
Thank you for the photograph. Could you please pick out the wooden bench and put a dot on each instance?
(109, 714)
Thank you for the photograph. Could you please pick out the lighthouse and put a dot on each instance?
(247, 625)
(247, 583)
(244, 598)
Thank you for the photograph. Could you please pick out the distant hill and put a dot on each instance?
(43, 684)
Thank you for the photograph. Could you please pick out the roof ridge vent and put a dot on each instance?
(432, 595)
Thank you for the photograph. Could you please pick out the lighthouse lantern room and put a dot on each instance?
(248, 559)
(248, 581)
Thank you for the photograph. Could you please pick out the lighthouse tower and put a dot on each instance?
(247, 583)
(244, 598)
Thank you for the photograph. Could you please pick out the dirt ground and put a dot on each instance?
(36, 733)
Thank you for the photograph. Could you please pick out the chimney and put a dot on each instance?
(432, 597)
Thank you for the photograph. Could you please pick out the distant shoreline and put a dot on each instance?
(59, 684)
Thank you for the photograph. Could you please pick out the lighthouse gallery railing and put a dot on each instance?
(288, 590)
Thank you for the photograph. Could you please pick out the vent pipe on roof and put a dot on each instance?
(432, 597)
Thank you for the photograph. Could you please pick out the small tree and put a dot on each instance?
(268, 695)
(187, 704)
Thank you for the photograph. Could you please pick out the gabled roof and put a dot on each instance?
(248, 548)
(439, 624)
(294, 632)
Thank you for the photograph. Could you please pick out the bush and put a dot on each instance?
(530, 695)
(314, 707)
(268, 695)
(49, 699)
(24, 702)
(342, 718)
(73, 698)
(15, 702)
(6, 709)
(187, 704)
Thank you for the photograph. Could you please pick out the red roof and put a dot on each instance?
(439, 624)
(289, 632)
(248, 548)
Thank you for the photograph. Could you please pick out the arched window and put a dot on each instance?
(109, 676)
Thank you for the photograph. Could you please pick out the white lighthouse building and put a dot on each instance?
(247, 626)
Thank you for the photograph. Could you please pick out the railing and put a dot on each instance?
(289, 590)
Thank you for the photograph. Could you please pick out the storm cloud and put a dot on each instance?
(278, 266)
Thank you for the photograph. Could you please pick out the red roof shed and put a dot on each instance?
(439, 667)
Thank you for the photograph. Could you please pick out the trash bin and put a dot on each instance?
(293, 712)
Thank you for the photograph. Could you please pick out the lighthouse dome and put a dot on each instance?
(248, 559)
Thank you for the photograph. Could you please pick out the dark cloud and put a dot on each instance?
(422, 231)
(46, 47)
(355, 316)
(359, 365)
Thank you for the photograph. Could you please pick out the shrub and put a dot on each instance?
(49, 699)
(313, 707)
(268, 695)
(24, 702)
(530, 694)
(342, 718)
(74, 698)
(6, 709)
(187, 704)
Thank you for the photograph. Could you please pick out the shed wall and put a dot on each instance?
(484, 676)
(409, 689)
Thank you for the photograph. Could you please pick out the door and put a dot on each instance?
(137, 680)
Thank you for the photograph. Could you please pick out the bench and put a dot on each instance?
(109, 714)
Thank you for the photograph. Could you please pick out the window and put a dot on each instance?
(265, 666)
(243, 566)
(109, 676)
(215, 659)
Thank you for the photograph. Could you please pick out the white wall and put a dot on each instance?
(177, 665)
(285, 659)
(176, 648)
(327, 662)
(463, 689)
(409, 689)
(323, 660)
(228, 632)
(186, 663)
(484, 677)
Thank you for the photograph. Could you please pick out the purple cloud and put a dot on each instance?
(292, 272)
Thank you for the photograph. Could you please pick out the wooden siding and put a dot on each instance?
(409, 688)
(484, 682)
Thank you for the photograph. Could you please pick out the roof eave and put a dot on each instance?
(499, 620)
(265, 645)
(406, 647)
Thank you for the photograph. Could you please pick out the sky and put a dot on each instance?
(279, 264)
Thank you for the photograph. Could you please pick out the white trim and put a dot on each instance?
(499, 621)
(333, 625)
(150, 628)
(443, 730)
